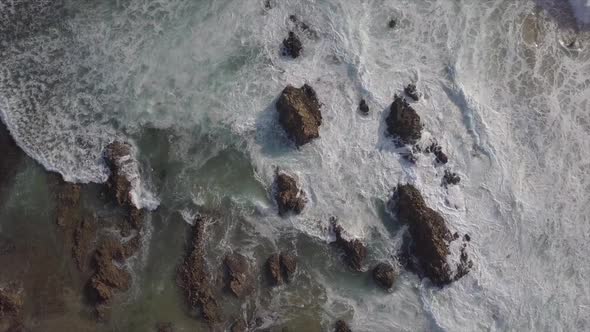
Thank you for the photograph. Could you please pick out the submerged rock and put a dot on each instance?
(384, 275)
(292, 46)
(411, 92)
(341, 326)
(287, 194)
(84, 237)
(429, 232)
(237, 275)
(363, 107)
(355, 251)
(193, 276)
(450, 178)
(281, 268)
(299, 113)
(403, 122)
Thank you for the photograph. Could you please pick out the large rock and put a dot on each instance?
(403, 122)
(384, 275)
(193, 276)
(237, 275)
(299, 113)
(288, 195)
(281, 268)
(430, 235)
(355, 251)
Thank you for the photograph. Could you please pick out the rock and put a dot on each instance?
(429, 232)
(450, 178)
(287, 194)
(237, 275)
(108, 278)
(411, 92)
(164, 327)
(304, 27)
(292, 46)
(341, 326)
(392, 23)
(467, 238)
(299, 113)
(268, 4)
(193, 276)
(363, 107)
(11, 157)
(441, 157)
(403, 122)
(281, 268)
(119, 158)
(384, 275)
(355, 251)
(239, 326)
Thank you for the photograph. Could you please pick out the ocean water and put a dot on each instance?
(192, 84)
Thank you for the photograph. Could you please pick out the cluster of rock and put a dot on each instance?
(281, 268)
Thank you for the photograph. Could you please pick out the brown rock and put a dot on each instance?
(384, 275)
(429, 232)
(118, 155)
(108, 278)
(193, 276)
(281, 268)
(341, 326)
(355, 251)
(403, 122)
(237, 275)
(287, 194)
(299, 113)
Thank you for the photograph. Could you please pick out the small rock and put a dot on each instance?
(355, 251)
(450, 178)
(392, 23)
(363, 107)
(466, 237)
(403, 122)
(238, 279)
(411, 92)
(384, 275)
(341, 326)
(441, 157)
(292, 46)
(287, 194)
(268, 4)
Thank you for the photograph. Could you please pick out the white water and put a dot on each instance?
(502, 96)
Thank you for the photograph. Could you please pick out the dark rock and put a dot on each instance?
(11, 157)
(292, 46)
(237, 275)
(108, 278)
(403, 122)
(363, 107)
(268, 4)
(450, 178)
(281, 268)
(164, 327)
(428, 230)
(287, 194)
(355, 251)
(411, 92)
(392, 23)
(299, 113)
(341, 326)
(118, 156)
(193, 276)
(384, 275)
(304, 27)
(467, 238)
(441, 157)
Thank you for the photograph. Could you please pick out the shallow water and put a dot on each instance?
(192, 84)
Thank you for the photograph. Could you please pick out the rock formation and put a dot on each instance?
(281, 268)
(403, 122)
(299, 113)
(287, 194)
(384, 275)
(355, 251)
(238, 278)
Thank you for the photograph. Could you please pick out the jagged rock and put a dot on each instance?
(403, 122)
(193, 276)
(363, 107)
(292, 46)
(441, 157)
(164, 327)
(341, 326)
(281, 268)
(355, 251)
(411, 92)
(237, 275)
(299, 113)
(287, 194)
(429, 232)
(450, 178)
(384, 275)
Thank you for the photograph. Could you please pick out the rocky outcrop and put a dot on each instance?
(238, 279)
(363, 107)
(431, 237)
(299, 113)
(450, 178)
(341, 326)
(193, 276)
(412, 92)
(403, 122)
(292, 46)
(108, 278)
(355, 251)
(281, 268)
(119, 158)
(288, 195)
(384, 275)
